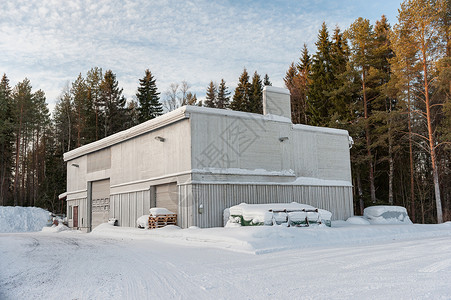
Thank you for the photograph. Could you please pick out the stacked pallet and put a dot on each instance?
(159, 221)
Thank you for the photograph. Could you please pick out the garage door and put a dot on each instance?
(100, 202)
(167, 196)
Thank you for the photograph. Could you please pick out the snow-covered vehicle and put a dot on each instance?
(386, 214)
(290, 214)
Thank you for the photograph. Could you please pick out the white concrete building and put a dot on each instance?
(197, 161)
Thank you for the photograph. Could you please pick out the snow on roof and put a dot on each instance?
(298, 181)
(238, 171)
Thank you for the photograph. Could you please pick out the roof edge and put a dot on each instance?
(158, 122)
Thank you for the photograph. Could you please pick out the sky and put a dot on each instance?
(50, 42)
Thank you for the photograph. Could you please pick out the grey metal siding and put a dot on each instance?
(128, 207)
(167, 196)
(216, 197)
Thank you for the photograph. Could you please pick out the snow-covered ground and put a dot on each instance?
(345, 261)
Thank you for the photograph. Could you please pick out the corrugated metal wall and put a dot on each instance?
(216, 197)
(128, 207)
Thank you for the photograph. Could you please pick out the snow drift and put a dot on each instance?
(22, 219)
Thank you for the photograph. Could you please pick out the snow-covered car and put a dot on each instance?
(290, 214)
(386, 214)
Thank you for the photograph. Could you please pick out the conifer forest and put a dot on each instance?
(388, 85)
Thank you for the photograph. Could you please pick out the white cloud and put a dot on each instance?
(51, 42)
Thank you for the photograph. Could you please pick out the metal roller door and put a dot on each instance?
(167, 196)
(100, 204)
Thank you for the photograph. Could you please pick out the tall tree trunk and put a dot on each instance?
(438, 202)
(412, 181)
(391, 166)
(16, 171)
(367, 135)
(360, 192)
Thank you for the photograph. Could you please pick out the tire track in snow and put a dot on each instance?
(437, 267)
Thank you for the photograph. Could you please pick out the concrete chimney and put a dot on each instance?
(276, 101)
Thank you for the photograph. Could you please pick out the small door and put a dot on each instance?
(75, 208)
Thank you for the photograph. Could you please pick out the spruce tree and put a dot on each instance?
(223, 96)
(340, 99)
(191, 99)
(6, 140)
(211, 96)
(113, 104)
(241, 97)
(256, 94)
(266, 80)
(321, 80)
(149, 105)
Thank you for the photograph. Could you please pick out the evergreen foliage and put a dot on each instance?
(223, 100)
(241, 97)
(149, 105)
(211, 97)
(256, 94)
(266, 81)
(322, 80)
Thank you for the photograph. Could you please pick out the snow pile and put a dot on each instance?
(156, 211)
(357, 220)
(384, 214)
(275, 213)
(143, 222)
(56, 228)
(23, 219)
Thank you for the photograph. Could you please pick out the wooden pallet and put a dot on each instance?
(162, 220)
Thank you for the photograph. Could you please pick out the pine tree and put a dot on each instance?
(79, 93)
(94, 119)
(223, 96)
(241, 97)
(293, 84)
(149, 105)
(211, 96)
(256, 94)
(266, 80)
(418, 30)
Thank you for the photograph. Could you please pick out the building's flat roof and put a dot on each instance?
(184, 113)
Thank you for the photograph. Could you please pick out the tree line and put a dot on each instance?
(32, 141)
(388, 86)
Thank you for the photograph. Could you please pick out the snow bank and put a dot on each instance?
(56, 228)
(143, 221)
(357, 220)
(267, 239)
(23, 219)
(384, 214)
